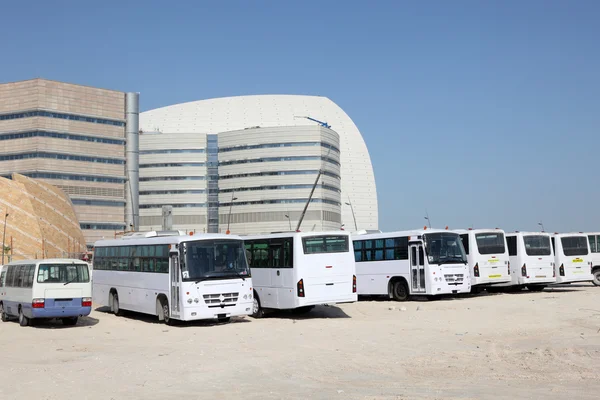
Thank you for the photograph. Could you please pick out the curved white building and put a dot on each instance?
(266, 155)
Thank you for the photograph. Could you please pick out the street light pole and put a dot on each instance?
(4, 237)
(427, 218)
(542, 225)
(289, 221)
(229, 216)
(349, 203)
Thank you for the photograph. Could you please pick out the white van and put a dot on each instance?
(45, 289)
(594, 239)
(572, 257)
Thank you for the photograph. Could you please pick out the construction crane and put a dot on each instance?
(323, 124)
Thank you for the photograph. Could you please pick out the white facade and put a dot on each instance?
(262, 183)
(217, 116)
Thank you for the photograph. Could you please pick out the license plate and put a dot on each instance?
(540, 276)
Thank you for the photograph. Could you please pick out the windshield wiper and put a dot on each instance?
(72, 280)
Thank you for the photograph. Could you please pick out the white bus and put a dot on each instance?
(420, 262)
(594, 239)
(298, 270)
(487, 254)
(531, 260)
(44, 289)
(572, 258)
(175, 277)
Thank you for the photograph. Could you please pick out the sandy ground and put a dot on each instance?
(505, 346)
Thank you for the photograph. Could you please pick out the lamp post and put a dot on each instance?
(427, 218)
(542, 225)
(4, 237)
(289, 221)
(229, 216)
(349, 203)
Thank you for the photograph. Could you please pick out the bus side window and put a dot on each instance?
(413, 260)
(287, 253)
(2, 278)
(511, 242)
(465, 242)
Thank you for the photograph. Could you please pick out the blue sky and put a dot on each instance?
(485, 113)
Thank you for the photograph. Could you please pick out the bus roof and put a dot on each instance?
(295, 234)
(569, 234)
(527, 233)
(400, 233)
(462, 231)
(165, 239)
(48, 261)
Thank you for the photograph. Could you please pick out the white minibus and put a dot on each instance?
(31, 290)
(594, 239)
(173, 276)
(420, 262)
(298, 270)
(487, 254)
(572, 258)
(531, 261)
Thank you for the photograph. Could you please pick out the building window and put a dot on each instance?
(182, 205)
(212, 146)
(281, 187)
(276, 159)
(159, 192)
(173, 178)
(50, 114)
(275, 173)
(100, 226)
(102, 203)
(71, 177)
(283, 201)
(58, 135)
(172, 151)
(60, 156)
(272, 145)
(163, 165)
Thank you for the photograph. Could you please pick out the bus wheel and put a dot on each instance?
(596, 279)
(3, 315)
(70, 321)
(165, 312)
(400, 291)
(23, 320)
(257, 311)
(115, 305)
(535, 288)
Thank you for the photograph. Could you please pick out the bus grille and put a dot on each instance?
(221, 298)
(454, 279)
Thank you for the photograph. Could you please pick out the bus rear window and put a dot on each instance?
(490, 243)
(63, 273)
(537, 245)
(574, 246)
(325, 244)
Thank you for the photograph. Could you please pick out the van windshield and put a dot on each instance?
(537, 245)
(574, 246)
(490, 243)
(63, 273)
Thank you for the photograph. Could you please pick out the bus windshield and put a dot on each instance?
(325, 244)
(444, 248)
(490, 242)
(537, 245)
(63, 273)
(214, 259)
(574, 246)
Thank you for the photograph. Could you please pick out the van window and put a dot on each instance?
(63, 273)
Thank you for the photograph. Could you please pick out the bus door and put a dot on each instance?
(417, 268)
(277, 272)
(175, 269)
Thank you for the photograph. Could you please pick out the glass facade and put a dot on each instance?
(276, 159)
(272, 145)
(51, 114)
(212, 146)
(60, 156)
(275, 173)
(59, 135)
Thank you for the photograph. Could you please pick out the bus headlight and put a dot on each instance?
(196, 300)
(189, 301)
(245, 296)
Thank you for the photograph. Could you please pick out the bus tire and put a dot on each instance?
(115, 307)
(165, 312)
(257, 310)
(3, 314)
(400, 291)
(535, 288)
(23, 320)
(72, 321)
(596, 279)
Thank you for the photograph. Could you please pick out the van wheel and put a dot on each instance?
(3, 315)
(23, 320)
(115, 305)
(596, 279)
(70, 321)
(257, 310)
(400, 291)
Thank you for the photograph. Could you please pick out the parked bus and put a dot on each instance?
(31, 290)
(572, 258)
(172, 276)
(594, 239)
(487, 254)
(531, 260)
(420, 262)
(298, 270)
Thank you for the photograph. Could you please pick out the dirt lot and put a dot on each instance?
(506, 346)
